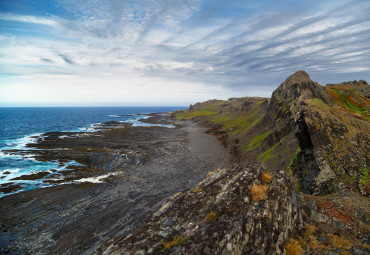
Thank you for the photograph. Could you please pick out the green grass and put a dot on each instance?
(256, 141)
(189, 115)
(211, 109)
(257, 120)
(268, 153)
(233, 122)
(237, 123)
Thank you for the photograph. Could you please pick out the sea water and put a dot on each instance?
(21, 126)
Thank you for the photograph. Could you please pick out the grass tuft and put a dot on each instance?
(309, 230)
(196, 190)
(176, 241)
(338, 242)
(293, 248)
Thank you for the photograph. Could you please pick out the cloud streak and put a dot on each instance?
(27, 19)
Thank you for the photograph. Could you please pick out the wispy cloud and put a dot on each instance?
(27, 19)
(66, 59)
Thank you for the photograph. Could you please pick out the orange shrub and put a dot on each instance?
(266, 177)
(258, 192)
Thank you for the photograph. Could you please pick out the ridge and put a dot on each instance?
(304, 151)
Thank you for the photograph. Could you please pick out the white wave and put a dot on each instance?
(89, 129)
(20, 143)
(93, 179)
(97, 179)
(13, 171)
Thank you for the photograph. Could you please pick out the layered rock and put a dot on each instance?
(221, 215)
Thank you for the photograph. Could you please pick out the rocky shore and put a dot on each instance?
(124, 176)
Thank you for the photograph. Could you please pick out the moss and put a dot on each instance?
(210, 216)
(364, 172)
(256, 141)
(287, 171)
(268, 153)
(297, 185)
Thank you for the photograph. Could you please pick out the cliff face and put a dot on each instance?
(311, 140)
(332, 124)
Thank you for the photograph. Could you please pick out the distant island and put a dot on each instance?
(282, 175)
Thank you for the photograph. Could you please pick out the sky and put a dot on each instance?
(174, 52)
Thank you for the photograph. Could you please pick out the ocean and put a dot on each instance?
(18, 126)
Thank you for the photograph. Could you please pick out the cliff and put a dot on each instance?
(298, 182)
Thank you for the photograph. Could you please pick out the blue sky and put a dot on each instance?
(154, 52)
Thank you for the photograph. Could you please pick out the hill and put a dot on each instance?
(299, 180)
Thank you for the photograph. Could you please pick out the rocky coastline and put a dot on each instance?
(124, 174)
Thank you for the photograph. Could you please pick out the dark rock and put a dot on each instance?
(34, 176)
(10, 187)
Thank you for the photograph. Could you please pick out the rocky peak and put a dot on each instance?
(294, 92)
(297, 77)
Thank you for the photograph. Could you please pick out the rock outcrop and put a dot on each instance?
(223, 214)
(330, 125)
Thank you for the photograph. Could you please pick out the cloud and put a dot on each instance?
(28, 19)
(47, 60)
(238, 47)
(66, 59)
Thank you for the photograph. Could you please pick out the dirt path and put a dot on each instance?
(207, 146)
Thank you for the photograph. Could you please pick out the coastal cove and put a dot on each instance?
(124, 173)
